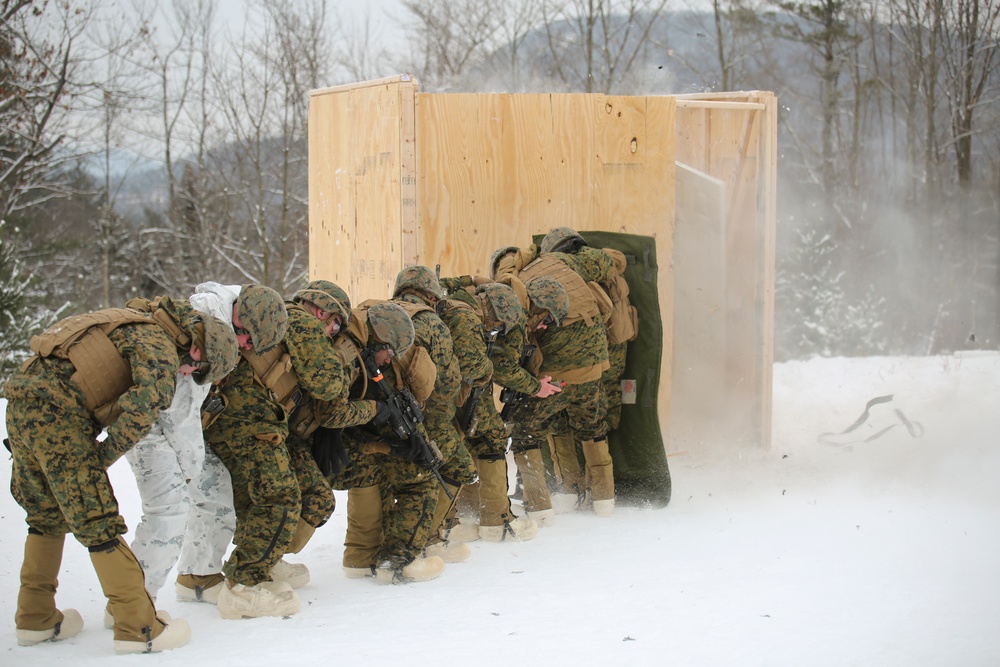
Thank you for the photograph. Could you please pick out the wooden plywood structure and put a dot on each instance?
(400, 177)
(732, 137)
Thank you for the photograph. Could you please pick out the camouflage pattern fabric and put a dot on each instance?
(59, 471)
(476, 368)
(506, 357)
(250, 437)
(611, 381)
(329, 296)
(417, 278)
(577, 345)
(560, 237)
(439, 409)
(262, 312)
(591, 264)
(409, 498)
(585, 407)
(59, 475)
(267, 501)
(490, 440)
(468, 343)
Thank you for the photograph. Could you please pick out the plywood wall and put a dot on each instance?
(362, 185)
(731, 136)
(496, 169)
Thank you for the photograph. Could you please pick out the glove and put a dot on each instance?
(406, 449)
(328, 450)
(382, 413)
(452, 284)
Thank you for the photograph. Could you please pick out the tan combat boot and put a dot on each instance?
(37, 618)
(462, 523)
(420, 569)
(136, 626)
(364, 531)
(268, 598)
(497, 522)
(446, 550)
(535, 499)
(199, 587)
(600, 475)
(569, 476)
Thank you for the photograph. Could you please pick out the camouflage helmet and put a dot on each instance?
(497, 255)
(549, 294)
(420, 278)
(388, 323)
(505, 303)
(328, 296)
(262, 312)
(217, 342)
(562, 239)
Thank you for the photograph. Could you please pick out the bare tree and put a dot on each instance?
(594, 44)
(357, 51)
(971, 41)
(449, 38)
(263, 87)
(38, 66)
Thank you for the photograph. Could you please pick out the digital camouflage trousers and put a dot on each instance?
(58, 475)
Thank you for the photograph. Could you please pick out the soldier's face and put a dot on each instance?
(332, 322)
(243, 337)
(382, 357)
(192, 364)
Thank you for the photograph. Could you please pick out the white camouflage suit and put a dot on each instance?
(186, 491)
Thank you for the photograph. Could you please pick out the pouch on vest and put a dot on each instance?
(418, 372)
(602, 300)
(213, 407)
(623, 324)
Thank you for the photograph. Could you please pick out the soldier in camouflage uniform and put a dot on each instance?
(250, 437)
(593, 265)
(391, 499)
(417, 289)
(575, 353)
(480, 322)
(114, 369)
(186, 493)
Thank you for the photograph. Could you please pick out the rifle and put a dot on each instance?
(511, 398)
(468, 421)
(404, 415)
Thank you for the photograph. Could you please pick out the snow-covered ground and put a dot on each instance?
(878, 553)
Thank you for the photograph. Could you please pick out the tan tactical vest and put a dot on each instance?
(415, 369)
(623, 323)
(273, 370)
(582, 302)
(101, 372)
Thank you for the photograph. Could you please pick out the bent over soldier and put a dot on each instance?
(480, 323)
(113, 369)
(418, 291)
(187, 497)
(250, 436)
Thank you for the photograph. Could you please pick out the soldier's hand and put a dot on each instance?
(548, 388)
(406, 449)
(450, 284)
(328, 450)
(382, 413)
